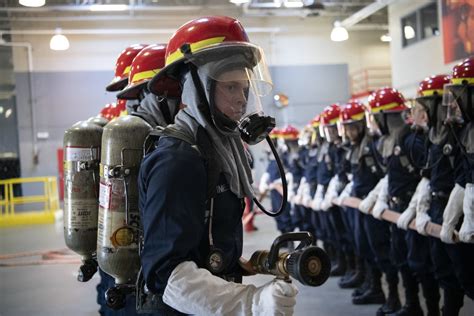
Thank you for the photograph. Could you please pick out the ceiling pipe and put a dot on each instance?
(365, 12)
(89, 8)
(121, 31)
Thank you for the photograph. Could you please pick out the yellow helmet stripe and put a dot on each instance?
(427, 93)
(460, 80)
(194, 48)
(385, 107)
(145, 75)
(358, 116)
(126, 70)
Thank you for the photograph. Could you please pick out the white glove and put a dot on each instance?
(306, 195)
(422, 219)
(369, 201)
(191, 290)
(331, 193)
(274, 298)
(422, 206)
(407, 215)
(318, 198)
(345, 193)
(298, 200)
(382, 201)
(405, 218)
(264, 183)
(451, 214)
(466, 233)
(291, 185)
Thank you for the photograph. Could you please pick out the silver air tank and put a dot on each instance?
(98, 120)
(119, 221)
(81, 192)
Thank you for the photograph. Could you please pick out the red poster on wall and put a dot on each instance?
(458, 29)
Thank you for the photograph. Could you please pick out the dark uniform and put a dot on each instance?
(447, 169)
(372, 237)
(284, 221)
(410, 250)
(176, 229)
(301, 216)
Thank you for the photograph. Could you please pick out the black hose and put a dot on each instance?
(283, 181)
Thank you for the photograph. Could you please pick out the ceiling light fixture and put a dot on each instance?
(32, 3)
(339, 33)
(293, 4)
(59, 41)
(108, 7)
(386, 38)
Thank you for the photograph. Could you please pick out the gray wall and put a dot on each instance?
(60, 99)
(63, 98)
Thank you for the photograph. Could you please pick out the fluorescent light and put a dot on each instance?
(237, 2)
(59, 41)
(8, 113)
(409, 32)
(108, 7)
(339, 33)
(386, 38)
(1, 109)
(32, 3)
(293, 4)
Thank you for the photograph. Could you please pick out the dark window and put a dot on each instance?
(409, 30)
(421, 24)
(429, 21)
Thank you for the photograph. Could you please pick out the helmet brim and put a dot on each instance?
(132, 92)
(162, 83)
(117, 85)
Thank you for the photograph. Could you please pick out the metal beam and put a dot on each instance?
(365, 12)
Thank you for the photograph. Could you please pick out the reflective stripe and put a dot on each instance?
(144, 75)
(194, 48)
(357, 117)
(126, 70)
(385, 107)
(460, 80)
(431, 92)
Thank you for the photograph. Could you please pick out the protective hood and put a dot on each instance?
(439, 131)
(229, 146)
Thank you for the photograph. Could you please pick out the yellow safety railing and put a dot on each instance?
(49, 199)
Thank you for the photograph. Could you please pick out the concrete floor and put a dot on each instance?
(53, 290)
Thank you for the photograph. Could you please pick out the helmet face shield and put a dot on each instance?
(419, 116)
(352, 131)
(453, 113)
(238, 80)
(331, 133)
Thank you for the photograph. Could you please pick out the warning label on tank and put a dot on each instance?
(82, 153)
(80, 213)
(114, 232)
(105, 195)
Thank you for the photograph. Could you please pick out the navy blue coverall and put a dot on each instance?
(173, 205)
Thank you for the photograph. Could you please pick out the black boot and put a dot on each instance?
(392, 305)
(374, 294)
(331, 253)
(357, 278)
(431, 293)
(453, 302)
(340, 267)
(350, 269)
(366, 284)
(412, 303)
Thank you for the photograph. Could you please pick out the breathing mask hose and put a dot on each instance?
(283, 181)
